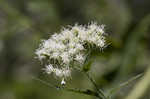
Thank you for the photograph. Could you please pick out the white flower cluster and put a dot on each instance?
(69, 46)
(59, 72)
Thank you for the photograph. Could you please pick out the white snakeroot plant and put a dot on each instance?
(64, 50)
(69, 50)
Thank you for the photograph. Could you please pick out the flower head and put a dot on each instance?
(61, 50)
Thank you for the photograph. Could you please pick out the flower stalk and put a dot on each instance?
(100, 91)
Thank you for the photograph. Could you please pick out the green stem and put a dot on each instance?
(101, 93)
(86, 92)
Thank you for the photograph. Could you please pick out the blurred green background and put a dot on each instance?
(23, 23)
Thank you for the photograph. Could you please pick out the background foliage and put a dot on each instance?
(23, 23)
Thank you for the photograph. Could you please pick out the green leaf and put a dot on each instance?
(117, 88)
